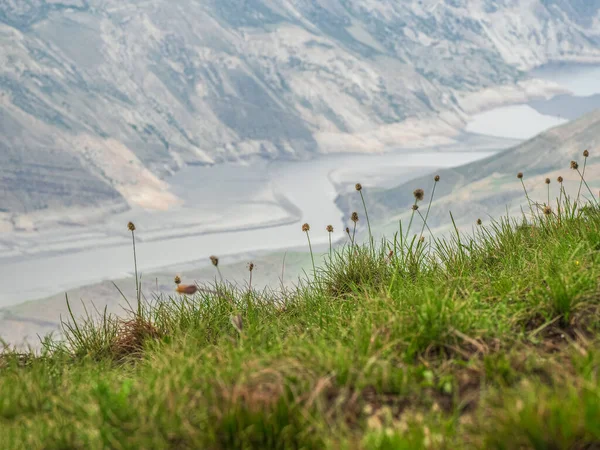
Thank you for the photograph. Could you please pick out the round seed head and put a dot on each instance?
(354, 217)
(520, 175)
(305, 227)
(358, 186)
(559, 179)
(586, 153)
(177, 279)
(547, 210)
(479, 222)
(547, 180)
(329, 228)
(415, 207)
(214, 260)
(251, 266)
(187, 289)
(419, 194)
(131, 226)
(422, 239)
(347, 230)
(574, 165)
(436, 178)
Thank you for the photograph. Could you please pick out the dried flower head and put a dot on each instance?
(354, 217)
(559, 179)
(415, 207)
(520, 175)
(547, 180)
(251, 266)
(358, 187)
(422, 239)
(177, 279)
(214, 260)
(547, 210)
(348, 231)
(586, 153)
(305, 227)
(329, 228)
(436, 178)
(479, 222)
(574, 165)
(131, 226)
(419, 194)
(187, 289)
(391, 253)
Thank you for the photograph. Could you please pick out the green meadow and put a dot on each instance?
(488, 340)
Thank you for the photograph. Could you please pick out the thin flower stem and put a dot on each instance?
(311, 255)
(427, 225)
(581, 175)
(560, 200)
(428, 207)
(411, 220)
(586, 185)
(561, 193)
(372, 244)
(528, 199)
(137, 286)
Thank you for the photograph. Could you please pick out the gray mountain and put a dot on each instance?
(101, 100)
(490, 187)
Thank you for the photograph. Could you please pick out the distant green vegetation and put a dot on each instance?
(483, 341)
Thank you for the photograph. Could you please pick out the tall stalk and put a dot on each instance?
(306, 229)
(418, 194)
(581, 174)
(131, 228)
(371, 242)
(520, 177)
(435, 182)
(330, 230)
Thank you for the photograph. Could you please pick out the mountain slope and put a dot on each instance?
(122, 94)
(490, 186)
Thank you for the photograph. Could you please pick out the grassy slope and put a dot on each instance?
(486, 343)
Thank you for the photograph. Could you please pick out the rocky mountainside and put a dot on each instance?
(490, 187)
(100, 100)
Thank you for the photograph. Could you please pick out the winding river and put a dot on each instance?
(249, 208)
(233, 209)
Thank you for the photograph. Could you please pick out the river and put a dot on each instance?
(234, 209)
(524, 121)
(229, 210)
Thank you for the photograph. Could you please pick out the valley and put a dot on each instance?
(102, 102)
(100, 156)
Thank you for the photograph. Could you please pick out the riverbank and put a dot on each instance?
(254, 208)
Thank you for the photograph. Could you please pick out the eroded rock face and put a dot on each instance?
(101, 99)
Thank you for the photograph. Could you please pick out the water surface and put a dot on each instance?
(524, 121)
(229, 210)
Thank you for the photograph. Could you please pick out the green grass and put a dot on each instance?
(488, 341)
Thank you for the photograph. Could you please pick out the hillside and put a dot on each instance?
(487, 187)
(100, 100)
(490, 342)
